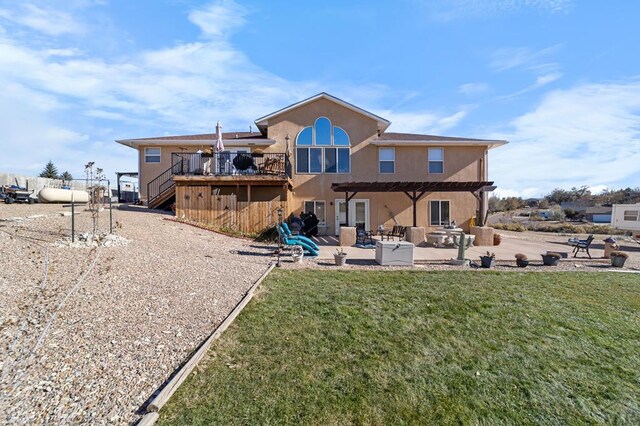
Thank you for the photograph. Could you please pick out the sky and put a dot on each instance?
(558, 79)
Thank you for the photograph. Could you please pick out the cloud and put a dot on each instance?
(541, 80)
(598, 189)
(521, 57)
(219, 19)
(46, 20)
(448, 10)
(586, 135)
(473, 88)
(423, 121)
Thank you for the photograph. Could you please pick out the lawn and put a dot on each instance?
(369, 347)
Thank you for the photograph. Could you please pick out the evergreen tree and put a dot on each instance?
(50, 171)
(66, 177)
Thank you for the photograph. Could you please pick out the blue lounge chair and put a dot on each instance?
(286, 231)
(310, 251)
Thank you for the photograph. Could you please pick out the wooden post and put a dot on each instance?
(249, 193)
(346, 200)
(415, 210)
(414, 199)
(481, 218)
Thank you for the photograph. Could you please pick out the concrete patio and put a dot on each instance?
(528, 243)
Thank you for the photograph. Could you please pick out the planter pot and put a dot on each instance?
(297, 253)
(497, 239)
(522, 263)
(487, 261)
(618, 261)
(340, 259)
(550, 260)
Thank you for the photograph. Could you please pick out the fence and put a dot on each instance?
(37, 183)
(196, 203)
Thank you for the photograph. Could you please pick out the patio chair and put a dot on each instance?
(397, 231)
(295, 242)
(287, 232)
(581, 245)
(363, 236)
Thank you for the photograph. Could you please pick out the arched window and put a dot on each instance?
(323, 148)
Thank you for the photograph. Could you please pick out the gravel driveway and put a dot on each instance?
(88, 334)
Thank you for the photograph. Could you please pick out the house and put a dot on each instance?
(326, 156)
(598, 214)
(626, 217)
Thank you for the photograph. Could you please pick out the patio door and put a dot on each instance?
(358, 213)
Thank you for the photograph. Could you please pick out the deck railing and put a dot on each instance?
(229, 163)
(162, 183)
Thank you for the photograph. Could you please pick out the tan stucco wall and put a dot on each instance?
(462, 163)
(411, 164)
(149, 171)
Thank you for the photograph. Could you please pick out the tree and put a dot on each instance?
(559, 196)
(50, 171)
(66, 177)
(494, 204)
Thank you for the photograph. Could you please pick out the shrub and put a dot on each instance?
(556, 213)
(553, 254)
(571, 214)
(268, 235)
(515, 227)
(521, 256)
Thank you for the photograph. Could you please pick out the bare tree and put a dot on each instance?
(95, 187)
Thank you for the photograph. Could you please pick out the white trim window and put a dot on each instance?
(317, 207)
(631, 215)
(323, 148)
(387, 160)
(439, 212)
(436, 160)
(152, 155)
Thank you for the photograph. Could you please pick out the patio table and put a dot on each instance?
(450, 232)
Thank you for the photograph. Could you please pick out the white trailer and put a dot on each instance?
(626, 217)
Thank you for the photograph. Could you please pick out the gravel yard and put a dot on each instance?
(88, 334)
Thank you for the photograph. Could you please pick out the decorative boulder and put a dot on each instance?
(483, 235)
(416, 235)
(347, 236)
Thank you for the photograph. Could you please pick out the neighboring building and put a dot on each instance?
(598, 214)
(318, 152)
(626, 217)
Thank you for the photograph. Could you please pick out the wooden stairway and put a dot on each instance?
(161, 189)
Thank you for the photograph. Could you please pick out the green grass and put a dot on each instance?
(409, 347)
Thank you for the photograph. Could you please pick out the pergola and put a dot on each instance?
(415, 191)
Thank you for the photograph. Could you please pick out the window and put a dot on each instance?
(436, 160)
(323, 148)
(152, 155)
(336, 160)
(387, 160)
(439, 213)
(630, 215)
(317, 208)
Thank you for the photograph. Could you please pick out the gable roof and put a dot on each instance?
(408, 139)
(263, 122)
(229, 138)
